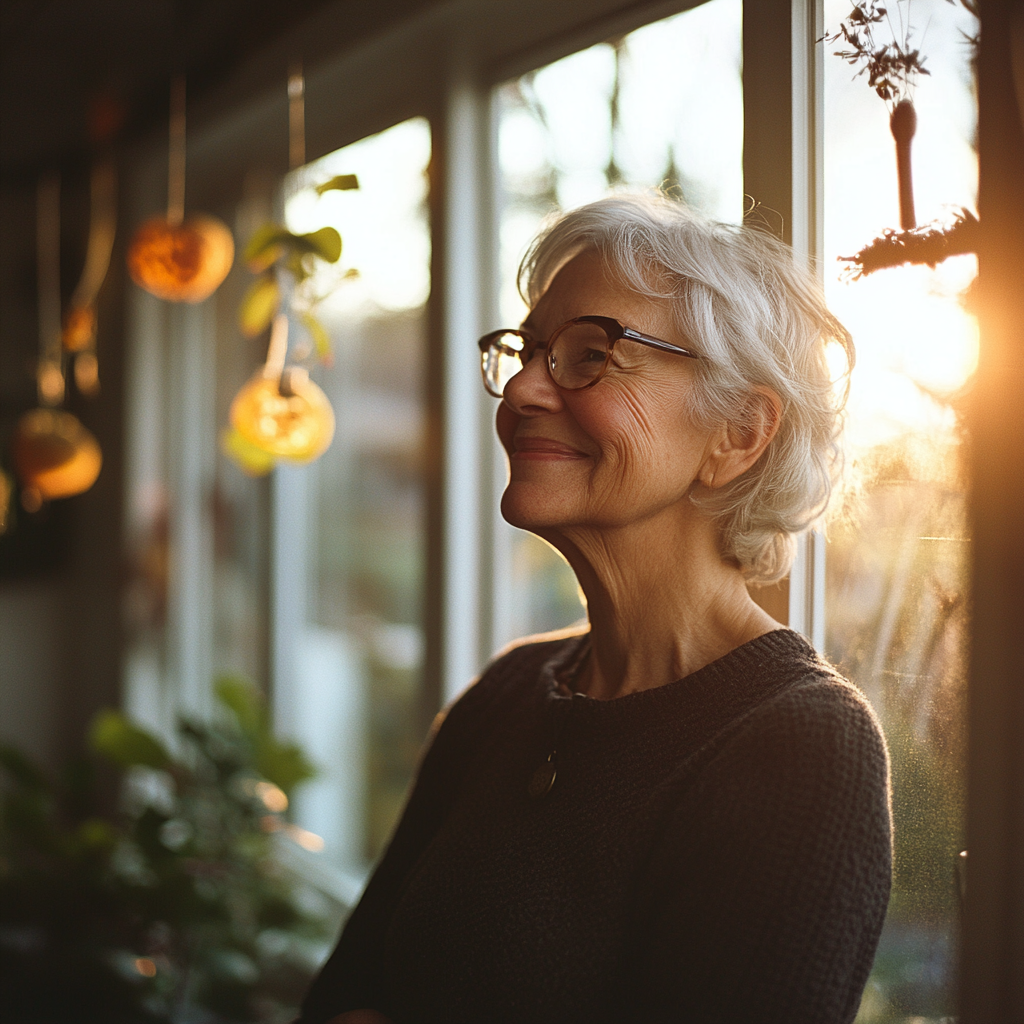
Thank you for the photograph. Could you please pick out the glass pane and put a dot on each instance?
(362, 666)
(897, 565)
(660, 106)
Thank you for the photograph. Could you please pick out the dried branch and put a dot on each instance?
(929, 244)
(891, 67)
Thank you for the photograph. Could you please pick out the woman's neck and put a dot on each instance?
(661, 602)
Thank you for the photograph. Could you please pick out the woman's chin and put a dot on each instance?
(529, 507)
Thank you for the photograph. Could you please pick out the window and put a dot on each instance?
(897, 566)
(349, 528)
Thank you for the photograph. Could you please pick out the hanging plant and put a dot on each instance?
(892, 67)
(177, 258)
(272, 251)
(280, 413)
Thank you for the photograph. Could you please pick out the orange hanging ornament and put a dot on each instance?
(55, 456)
(177, 258)
(183, 262)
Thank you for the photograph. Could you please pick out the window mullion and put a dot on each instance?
(783, 95)
(807, 578)
(464, 141)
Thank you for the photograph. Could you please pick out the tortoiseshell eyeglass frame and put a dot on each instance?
(614, 331)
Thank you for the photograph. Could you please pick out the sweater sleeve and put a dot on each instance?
(765, 895)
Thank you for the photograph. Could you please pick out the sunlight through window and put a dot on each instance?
(361, 660)
(897, 563)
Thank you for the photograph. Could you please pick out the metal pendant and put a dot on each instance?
(543, 779)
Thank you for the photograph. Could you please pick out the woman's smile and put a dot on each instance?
(543, 449)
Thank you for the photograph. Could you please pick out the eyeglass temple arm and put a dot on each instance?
(665, 346)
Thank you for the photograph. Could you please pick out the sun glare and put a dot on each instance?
(384, 235)
(917, 343)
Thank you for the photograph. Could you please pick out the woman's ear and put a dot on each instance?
(742, 441)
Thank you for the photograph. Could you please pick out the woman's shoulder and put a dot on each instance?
(820, 699)
(817, 721)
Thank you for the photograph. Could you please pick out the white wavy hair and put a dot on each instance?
(743, 301)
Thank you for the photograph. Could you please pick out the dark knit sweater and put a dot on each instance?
(717, 849)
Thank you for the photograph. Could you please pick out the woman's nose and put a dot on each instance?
(532, 390)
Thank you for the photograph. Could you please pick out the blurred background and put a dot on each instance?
(220, 655)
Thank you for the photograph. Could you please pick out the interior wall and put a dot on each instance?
(30, 616)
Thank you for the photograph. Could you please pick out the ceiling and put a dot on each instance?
(74, 70)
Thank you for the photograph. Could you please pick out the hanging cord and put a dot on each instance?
(296, 117)
(102, 226)
(80, 321)
(277, 351)
(50, 374)
(176, 154)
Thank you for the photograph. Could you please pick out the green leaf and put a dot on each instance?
(283, 763)
(295, 264)
(265, 246)
(343, 182)
(261, 303)
(271, 241)
(250, 458)
(321, 339)
(325, 243)
(245, 700)
(117, 739)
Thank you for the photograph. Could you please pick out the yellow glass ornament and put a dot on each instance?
(287, 416)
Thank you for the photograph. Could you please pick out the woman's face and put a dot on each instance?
(615, 454)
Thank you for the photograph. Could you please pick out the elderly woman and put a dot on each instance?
(679, 813)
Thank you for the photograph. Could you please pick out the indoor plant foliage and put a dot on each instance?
(174, 907)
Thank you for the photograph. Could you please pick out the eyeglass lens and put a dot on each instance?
(502, 361)
(578, 354)
(576, 357)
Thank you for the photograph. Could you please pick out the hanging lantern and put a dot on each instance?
(183, 262)
(55, 456)
(289, 417)
(174, 258)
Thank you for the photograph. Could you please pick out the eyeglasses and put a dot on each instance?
(578, 354)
